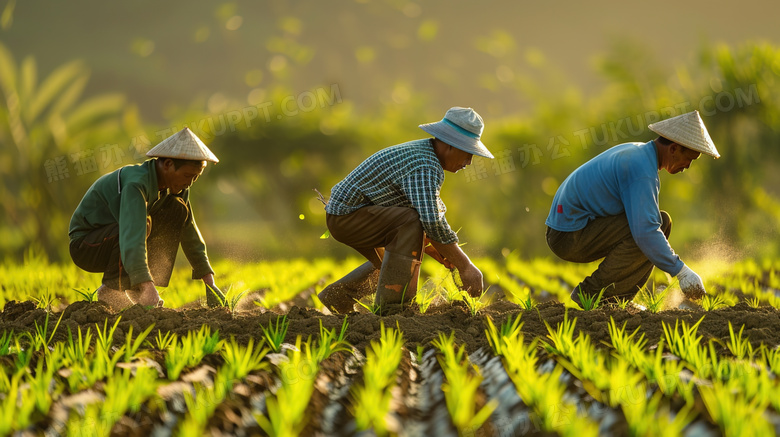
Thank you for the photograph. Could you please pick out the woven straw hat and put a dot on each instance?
(460, 128)
(687, 130)
(183, 145)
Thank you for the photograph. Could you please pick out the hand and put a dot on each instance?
(472, 280)
(215, 298)
(209, 279)
(690, 283)
(145, 294)
(433, 253)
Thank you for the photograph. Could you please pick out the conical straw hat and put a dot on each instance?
(183, 145)
(687, 130)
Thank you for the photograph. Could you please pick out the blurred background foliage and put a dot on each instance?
(292, 95)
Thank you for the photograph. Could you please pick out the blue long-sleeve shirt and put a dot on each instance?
(621, 179)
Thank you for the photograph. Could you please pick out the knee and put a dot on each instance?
(409, 233)
(666, 223)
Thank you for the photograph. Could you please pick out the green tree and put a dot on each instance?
(43, 128)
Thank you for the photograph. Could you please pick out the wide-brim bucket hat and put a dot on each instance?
(184, 144)
(687, 130)
(460, 128)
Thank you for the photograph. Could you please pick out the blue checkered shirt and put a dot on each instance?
(408, 175)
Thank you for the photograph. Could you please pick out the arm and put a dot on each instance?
(640, 201)
(132, 234)
(193, 246)
(469, 273)
(433, 253)
(422, 187)
(644, 219)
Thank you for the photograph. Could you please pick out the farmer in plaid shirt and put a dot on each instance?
(389, 210)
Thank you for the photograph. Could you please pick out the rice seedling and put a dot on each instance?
(372, 306)
(189, 350)
(105, 336)
(740, 347)
(543, 393)
(201, 405)
(425, 298)
(652, 299)
(125, 391)
(461, 386)
(316, 303)
(686, 344)
(330, 342)
(86, 295)
(712, 302)
(210, 342)
(133, 345)
(733, 414)
(23, 355)
(496, 336)
(5, 342)
(753, 302)
(648, 416)
(162, 341)
(44, 300)
(275, 333)
(240, 361)
(16, 408)
(41, 387)
(76, 350)
(451, 286)
(528, 303)
(562, 337)
(230, 299)
(41, 339)
(5, 380)
(627, 345)
(286, 411)
(96, 366)
(656, 369)
(590, 302)
(771, 358)
(371, 400)
(474, 304)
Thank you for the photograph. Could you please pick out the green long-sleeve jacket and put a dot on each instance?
(127, 196)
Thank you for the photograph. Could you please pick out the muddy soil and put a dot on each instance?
(418, 404)
(762, 325)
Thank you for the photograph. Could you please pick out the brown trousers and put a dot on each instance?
(624, 270)
(371, 228)
(99, 251)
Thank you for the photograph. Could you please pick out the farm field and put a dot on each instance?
(523, 360)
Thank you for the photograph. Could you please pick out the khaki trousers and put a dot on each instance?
(372, 229)
(624, 270)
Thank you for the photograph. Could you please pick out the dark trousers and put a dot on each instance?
(99, 251)
(369, 229)
(624, 270)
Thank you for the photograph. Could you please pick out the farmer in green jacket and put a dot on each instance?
(389, 210)
(130, 223)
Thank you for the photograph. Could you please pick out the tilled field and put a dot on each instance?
(417, 397)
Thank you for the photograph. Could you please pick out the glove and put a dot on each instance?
(690, 283)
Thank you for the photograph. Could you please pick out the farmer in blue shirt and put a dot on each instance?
(608, 208)
(389, 209)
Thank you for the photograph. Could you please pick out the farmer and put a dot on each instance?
(608, 208)
(389, 210)
(130, 223)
